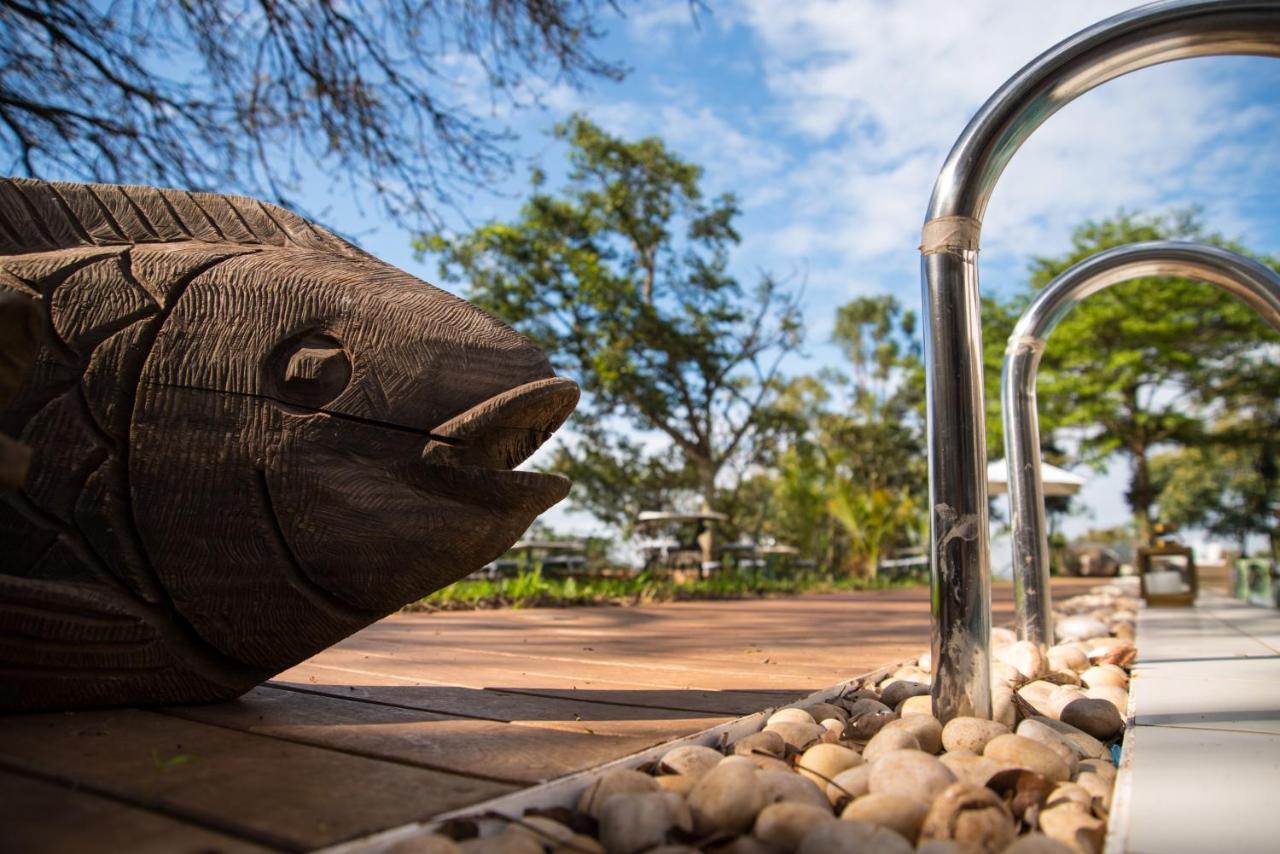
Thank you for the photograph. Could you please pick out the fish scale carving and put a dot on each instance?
(248, 439)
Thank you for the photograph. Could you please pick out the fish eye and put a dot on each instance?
(310, 370)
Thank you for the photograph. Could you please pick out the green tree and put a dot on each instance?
(622, 276)
(850, 480)
(615, 477)
(1230, 490)
(879, 480)
(1137, 366)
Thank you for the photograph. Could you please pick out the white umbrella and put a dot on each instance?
(1056, 481)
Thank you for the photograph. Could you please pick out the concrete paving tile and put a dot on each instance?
(1169, 635)
(1202, 790)
(1255, 668)
(1207, 702)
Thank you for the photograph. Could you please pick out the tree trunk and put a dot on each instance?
(707, 486)
(1142, 493)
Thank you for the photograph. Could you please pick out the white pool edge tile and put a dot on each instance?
(1120, 830)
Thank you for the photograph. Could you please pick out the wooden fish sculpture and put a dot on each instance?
(249, 439)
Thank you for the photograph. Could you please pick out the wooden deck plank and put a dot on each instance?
(38, 817)
(275, 792)
(526, 709)
(484, 703)
(342, 670)
(754, 642)
(512, 753)
(624, 672)
(354, 740)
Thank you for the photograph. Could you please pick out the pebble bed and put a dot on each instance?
(873, 771)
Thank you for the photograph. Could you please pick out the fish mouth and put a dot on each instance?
(494, 436)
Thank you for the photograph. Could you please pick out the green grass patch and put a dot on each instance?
(531, 589)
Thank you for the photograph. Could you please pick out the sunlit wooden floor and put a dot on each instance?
(424, 713)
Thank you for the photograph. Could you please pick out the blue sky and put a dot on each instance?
(830, 120)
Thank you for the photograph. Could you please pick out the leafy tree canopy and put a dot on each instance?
(1228, 490)
(623, 277)
(1141, 364)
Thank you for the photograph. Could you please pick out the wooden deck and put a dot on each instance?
(421, 714)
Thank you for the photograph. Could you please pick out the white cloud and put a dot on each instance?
(659, 20)
(879, 91)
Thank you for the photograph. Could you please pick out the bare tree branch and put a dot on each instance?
(261, 96)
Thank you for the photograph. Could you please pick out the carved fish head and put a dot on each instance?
(358, 424)
(306, 437)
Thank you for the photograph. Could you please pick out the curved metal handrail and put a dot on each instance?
(1157, 33)
(1255, 284)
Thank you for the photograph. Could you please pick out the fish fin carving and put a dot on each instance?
(40, 216)
(55, 626)
(52, 631)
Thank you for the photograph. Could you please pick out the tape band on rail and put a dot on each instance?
(1025, 344)
(950, 234)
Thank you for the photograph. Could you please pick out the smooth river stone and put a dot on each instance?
(765, 741)
(970, 767)
(727, 798)
(822, 711)
(792, 715)
(1105, 674)
(887, 741)
(1079, 628)
(918, 705)
(1068, 658)
(1117, 697)
(911, 774)
(691, 760)
(901, 690)
(926, 728)
(852, 837)
(1100, 767)
(1003, 674)
(676, 783)
(1073, 827)
(783, 825)
(822, 762)
(631, 823)
(853, 783)
(1087, 746)
(901, 815)
(788, 786)
(866, 706)
(1053, 740)
(1038, 693)
(939, 846)
(1098, 718)
(430, 843)
(624, 781)
(1003, 709)
(971, 734)
(1024, 753)
(972, 816)
(1069, 793)
(501, 843)
(1062, 695)
(1037, 843)
(1097, 787)
(864, 727)
(797, 735)
(1026, 658)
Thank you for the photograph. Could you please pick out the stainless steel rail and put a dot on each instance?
(1160, 32)
(1257, 285)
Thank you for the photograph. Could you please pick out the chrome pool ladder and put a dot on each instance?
(959, 552)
